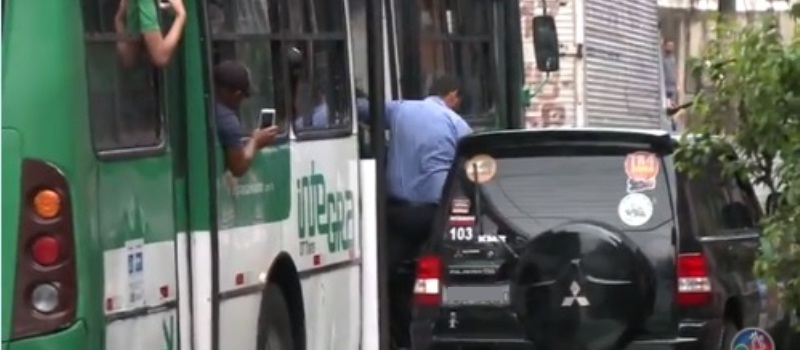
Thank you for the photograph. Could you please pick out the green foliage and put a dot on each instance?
(750, 101)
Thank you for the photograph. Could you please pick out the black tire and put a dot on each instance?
(274, 321)
(726, 335)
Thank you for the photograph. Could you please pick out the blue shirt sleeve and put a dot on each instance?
(229, 131)
(462, 128)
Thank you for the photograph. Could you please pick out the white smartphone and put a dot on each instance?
(266, 118)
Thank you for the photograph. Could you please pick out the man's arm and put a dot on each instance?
(238, 159)
(161, 47)
(461, 127)
(362, 110)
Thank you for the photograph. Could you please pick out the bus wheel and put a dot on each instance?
(274, 322)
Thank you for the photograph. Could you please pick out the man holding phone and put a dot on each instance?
(232, 87)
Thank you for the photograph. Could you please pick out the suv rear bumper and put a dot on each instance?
(422, 338)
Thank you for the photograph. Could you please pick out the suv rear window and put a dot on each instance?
(534, 191)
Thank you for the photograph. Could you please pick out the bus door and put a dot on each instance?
(477, 41)
(133, 111)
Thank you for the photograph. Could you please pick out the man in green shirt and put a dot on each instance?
(137, 20)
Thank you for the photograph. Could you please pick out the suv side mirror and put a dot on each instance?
(773, 202)
(545, 43)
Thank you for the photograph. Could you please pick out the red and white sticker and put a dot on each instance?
(642, 170)
(460, 206)
(461, 228)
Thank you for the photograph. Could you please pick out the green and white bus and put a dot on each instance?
(121, 228)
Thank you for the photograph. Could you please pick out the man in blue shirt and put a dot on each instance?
(421, 150)
(232, 87)
(422, 146)
(423, 142)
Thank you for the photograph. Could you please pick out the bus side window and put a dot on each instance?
(456, 39)
(314, 49)
(433, 48)
(125, 101)
(243, 30)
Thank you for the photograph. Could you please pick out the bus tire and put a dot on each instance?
(274, 321)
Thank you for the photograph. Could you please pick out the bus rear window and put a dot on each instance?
(624, 188)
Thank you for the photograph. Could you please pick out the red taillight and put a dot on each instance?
(45, 250)
(45, 288)
(427, 287)
(694, 286)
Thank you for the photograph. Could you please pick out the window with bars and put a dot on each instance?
(319, 79)
(242, 30)
(296, 51)
(124, 87)
(455, 38)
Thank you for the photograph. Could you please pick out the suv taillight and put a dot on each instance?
(45, 290)
(694, 286)
(427, 287)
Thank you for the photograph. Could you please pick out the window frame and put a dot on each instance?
(279, 37)
(160, 76)
(749, 201)
(309, 35)
(269, 38)
(312, 134)
(713, 177)
(699, 201)
(412, 38)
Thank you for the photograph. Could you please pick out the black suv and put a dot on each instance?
(584, 239)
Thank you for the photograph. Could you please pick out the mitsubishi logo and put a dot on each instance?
(575, 289)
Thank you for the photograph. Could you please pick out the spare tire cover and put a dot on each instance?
(582, 286)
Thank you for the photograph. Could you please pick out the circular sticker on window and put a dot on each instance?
(635, 209)
(480, 168)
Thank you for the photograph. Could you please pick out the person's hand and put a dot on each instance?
(177, 7)
(265, 137)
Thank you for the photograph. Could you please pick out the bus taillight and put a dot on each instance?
(45, 291)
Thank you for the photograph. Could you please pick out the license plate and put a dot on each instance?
(496, 295)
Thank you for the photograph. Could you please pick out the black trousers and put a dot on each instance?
(409, 228)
